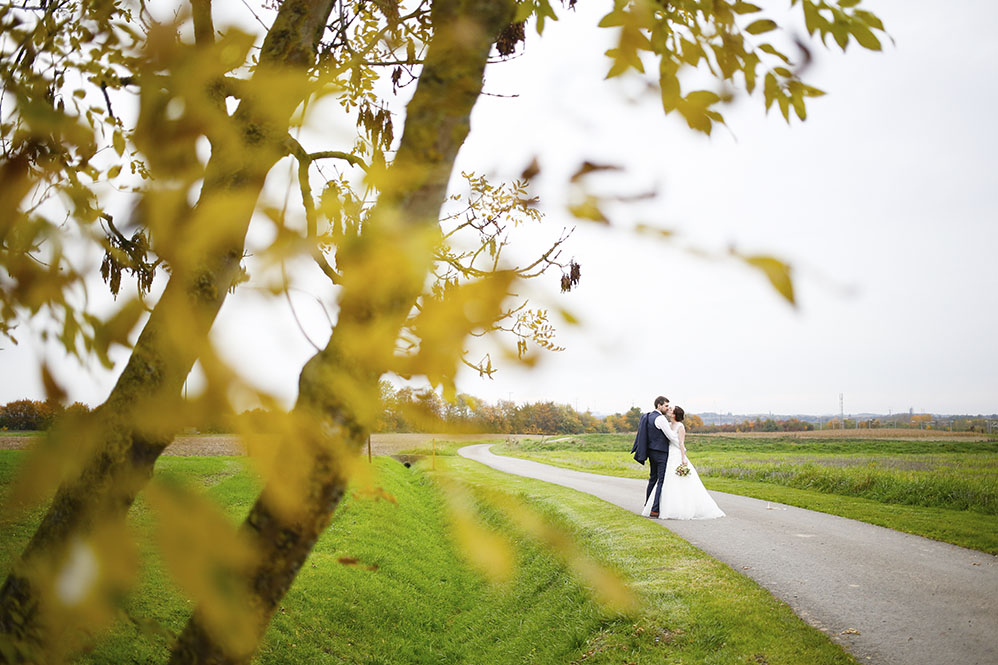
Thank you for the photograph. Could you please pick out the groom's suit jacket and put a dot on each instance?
(648, 436)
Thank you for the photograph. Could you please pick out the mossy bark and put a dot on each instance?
(338, 381)
(124, 446)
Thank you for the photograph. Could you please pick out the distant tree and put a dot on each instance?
(26, 414)
(632, 418)
(693, 422)
(591, 424)
(795, 425)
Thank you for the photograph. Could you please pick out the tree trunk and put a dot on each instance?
(339, 384)
(124, 445)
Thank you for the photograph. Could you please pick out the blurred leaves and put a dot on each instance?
(58, 456)
(284, 449)
(80, 589)
(445, 320)
(491, 552)
(486, 549)
(210, 561)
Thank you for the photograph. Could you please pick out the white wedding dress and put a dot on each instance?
(683, 497)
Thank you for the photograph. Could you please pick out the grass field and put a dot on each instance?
(943, 489)
(425, 604)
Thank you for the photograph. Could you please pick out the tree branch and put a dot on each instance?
(204, 30)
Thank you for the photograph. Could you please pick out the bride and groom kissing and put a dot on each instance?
(661, 439)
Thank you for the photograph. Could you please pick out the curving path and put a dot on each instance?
(888, 597)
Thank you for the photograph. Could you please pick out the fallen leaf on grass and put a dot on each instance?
(352, 561)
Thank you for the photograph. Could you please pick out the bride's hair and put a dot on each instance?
(679, 414)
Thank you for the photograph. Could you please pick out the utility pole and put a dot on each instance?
(842, 413)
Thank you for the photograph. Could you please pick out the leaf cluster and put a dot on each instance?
(725, 39)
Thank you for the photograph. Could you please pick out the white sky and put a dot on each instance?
(882, 200)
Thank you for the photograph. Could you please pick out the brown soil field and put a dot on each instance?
(220, 445)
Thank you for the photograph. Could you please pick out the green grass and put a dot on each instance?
(958, 527)
(425, 604)
(945, 490)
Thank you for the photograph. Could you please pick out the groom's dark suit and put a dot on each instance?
(652, 444)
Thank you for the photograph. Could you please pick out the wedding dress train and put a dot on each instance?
(683, 497)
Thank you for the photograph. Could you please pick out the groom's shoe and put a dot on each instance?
(653, 513)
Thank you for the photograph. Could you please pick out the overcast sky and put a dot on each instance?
(883, 201)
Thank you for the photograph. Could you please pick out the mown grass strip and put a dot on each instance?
(411, 598)
(958, 527)
(935, 488)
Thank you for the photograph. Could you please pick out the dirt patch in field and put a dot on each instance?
(228, 445)
(16, 442)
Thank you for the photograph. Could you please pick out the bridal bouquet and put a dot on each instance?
(683, 469)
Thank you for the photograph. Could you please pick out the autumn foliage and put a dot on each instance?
(142, 146)
(28, 415)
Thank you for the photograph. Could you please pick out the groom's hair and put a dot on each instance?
(659, 401)
(678, 413)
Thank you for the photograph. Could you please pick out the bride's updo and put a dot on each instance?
(678, 413)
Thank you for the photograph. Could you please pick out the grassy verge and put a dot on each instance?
(411, 598)
(925, 493)
(695, 609)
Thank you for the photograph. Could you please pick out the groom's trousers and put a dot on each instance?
(657, 460)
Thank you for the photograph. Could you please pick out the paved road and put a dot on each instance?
(888, 597)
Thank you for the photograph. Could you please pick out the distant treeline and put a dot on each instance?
(27, 415)
(408, 410)
(411, 410)
(760, 425)
(405, 410)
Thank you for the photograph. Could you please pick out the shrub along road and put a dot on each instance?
(888, 597)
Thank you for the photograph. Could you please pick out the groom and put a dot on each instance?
(652, 444)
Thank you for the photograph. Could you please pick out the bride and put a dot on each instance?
(683, 497)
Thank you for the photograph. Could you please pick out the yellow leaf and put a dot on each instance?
(53, 391)
(589, 209)
(777, 272)
(569, 318)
